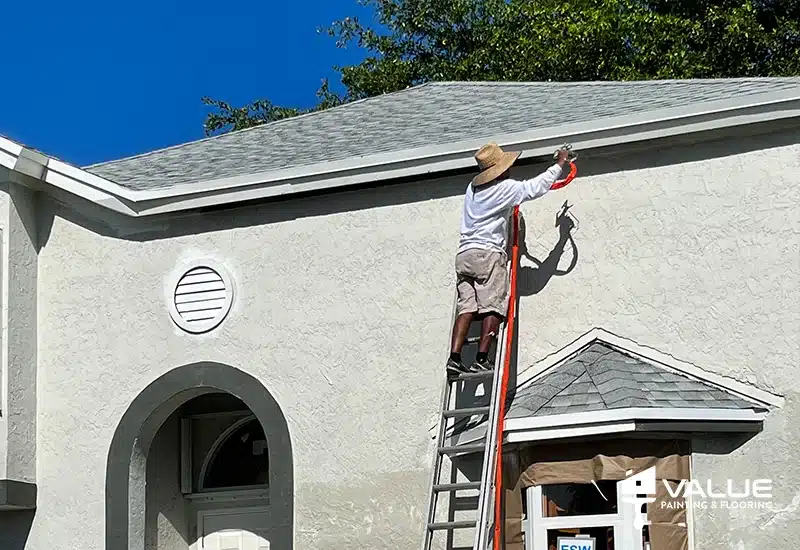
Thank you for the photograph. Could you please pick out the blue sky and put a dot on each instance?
(96, 80)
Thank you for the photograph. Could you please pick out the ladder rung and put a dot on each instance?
(455, 413)
(463, 486)
(448, 525)
(461, 449)
(473, 375)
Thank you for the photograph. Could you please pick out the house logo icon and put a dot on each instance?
(637, 490)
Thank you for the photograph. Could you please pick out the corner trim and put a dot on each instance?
(17, 495)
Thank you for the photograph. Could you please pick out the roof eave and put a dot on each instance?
(624, 420)
(633, 414)
(627, 422)
(415, 162)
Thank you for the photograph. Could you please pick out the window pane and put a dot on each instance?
(242, 459)
(578, 499)
(604, 537)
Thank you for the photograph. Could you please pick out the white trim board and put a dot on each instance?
(583, 424)
(623, 420)
(412, 162)
(650, 355)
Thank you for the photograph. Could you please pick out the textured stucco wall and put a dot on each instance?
(343, 312)
(19, 332)
(700, 261)
(3, 336)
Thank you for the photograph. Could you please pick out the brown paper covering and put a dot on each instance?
(668, 530)
(597, 461)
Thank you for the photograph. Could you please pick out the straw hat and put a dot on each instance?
(492, 161)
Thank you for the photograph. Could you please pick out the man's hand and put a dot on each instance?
(563, 157)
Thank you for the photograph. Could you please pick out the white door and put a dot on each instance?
(234, 529)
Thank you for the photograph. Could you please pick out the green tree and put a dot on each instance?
(558, 40)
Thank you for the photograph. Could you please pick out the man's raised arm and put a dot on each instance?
(527, 190)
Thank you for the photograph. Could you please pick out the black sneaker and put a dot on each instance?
(455, 368)
(481, 365)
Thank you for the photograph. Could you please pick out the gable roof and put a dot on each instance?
(418, 132)
(603, 378)
(433, 113)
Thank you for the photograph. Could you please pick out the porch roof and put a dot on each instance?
(602, 378)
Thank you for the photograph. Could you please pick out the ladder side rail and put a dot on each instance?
(438, 457)
(490, 492)
(485, 510)
(512, 313)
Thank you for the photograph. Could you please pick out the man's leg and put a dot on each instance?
(466, 307)
(490, 326)
(492, 298)
(460, 330)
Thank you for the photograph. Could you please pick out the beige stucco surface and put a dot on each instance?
(343, 307)
(18, 343)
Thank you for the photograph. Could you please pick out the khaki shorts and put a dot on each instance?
(482, 282)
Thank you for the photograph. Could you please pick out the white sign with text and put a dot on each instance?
(576, 543)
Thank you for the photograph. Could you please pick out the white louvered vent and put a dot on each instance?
(202, 298)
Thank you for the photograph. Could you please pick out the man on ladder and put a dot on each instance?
(481, 273)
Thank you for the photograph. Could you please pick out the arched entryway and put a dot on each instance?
(257, 424)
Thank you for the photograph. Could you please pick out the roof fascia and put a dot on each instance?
(693, 426)
(647, 354)
(417, 162)
(63, 177)
(567, 432)
(632, 414)
(9, 151)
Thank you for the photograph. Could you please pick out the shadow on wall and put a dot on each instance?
(532, 280)
(15, 528)
(405, 191)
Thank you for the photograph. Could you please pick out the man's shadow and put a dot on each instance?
(533, 279)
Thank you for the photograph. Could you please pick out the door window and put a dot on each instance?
(593, 510)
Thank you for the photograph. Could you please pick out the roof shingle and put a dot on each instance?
(431, 114)
(602, 378)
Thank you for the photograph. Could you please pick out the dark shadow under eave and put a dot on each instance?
(612, 159)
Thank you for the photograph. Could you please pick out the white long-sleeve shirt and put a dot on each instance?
(484, 222)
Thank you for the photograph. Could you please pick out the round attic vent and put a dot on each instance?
(202, 298)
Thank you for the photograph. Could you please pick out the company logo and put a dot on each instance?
(640, 489)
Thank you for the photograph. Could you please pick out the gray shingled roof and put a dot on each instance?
(602, 378)
(431, 114)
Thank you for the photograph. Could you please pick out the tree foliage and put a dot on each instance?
(260, 111)
(550, 40)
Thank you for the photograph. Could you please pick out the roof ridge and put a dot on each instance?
(613, 82)
(589, 374)
(557, 393)
(256, 127)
